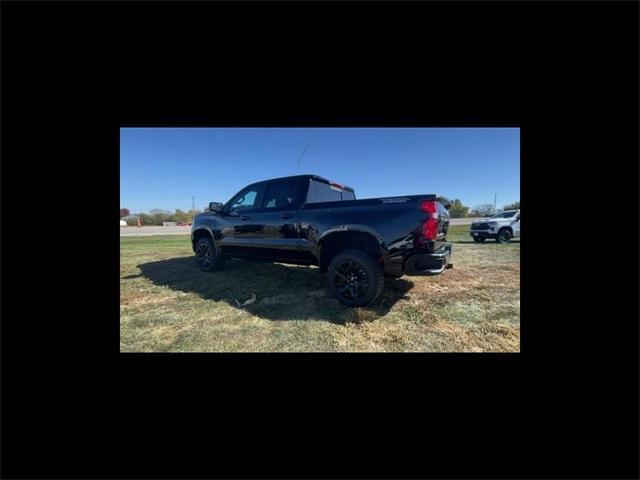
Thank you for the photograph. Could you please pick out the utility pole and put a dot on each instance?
(495, 197)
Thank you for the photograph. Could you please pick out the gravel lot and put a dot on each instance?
(153, 230)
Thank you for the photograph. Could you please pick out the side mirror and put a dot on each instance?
(215, 206)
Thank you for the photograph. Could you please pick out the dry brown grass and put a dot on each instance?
(167, 304)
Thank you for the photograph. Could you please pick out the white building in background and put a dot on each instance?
(123, 223)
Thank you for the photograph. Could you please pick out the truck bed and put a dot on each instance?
(381, 201)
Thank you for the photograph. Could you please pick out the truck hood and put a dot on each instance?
(504, 221)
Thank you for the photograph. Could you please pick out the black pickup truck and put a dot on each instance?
(308, 220)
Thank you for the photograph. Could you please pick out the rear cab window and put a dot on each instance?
(323, 192)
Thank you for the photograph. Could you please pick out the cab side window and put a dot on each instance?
(281, 195)
(246, 200)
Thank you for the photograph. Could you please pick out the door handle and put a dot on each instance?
(286, 215)
(244, 217)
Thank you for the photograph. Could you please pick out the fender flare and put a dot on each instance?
(205, 228)
(352, 228)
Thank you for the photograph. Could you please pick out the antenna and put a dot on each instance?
(301, 155)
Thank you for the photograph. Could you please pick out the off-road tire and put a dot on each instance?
(204, 246)
(366, 274)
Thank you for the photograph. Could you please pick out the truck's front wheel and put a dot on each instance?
(355, 279)
(206, 255)
(504, 236)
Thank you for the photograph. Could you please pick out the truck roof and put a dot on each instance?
(309, 177)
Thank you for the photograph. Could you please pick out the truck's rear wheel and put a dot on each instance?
(206, 255)
(504, 236)
(355, 279)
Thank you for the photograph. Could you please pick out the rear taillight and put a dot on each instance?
(430, 226)
(429, 206)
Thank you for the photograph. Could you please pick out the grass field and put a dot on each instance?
(168, 305)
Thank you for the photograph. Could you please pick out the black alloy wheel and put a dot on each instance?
(350, 280)
(206, 256)
(355, 278)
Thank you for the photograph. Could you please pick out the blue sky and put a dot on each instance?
(165, 167)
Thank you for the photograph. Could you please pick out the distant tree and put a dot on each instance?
(158, 215)
(124, 212)
(512, 206)
(457, 209)
(131, 220)
(145, 218)
(181, 216)
(482, 210)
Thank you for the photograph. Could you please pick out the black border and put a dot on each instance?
(73, 73)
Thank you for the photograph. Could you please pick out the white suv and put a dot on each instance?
(502, 227)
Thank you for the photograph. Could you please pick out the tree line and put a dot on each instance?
(459, 210)
(157, 216)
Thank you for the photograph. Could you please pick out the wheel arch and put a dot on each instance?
(198, 233)
(349, 237)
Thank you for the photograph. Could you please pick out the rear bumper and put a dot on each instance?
(429, 263)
